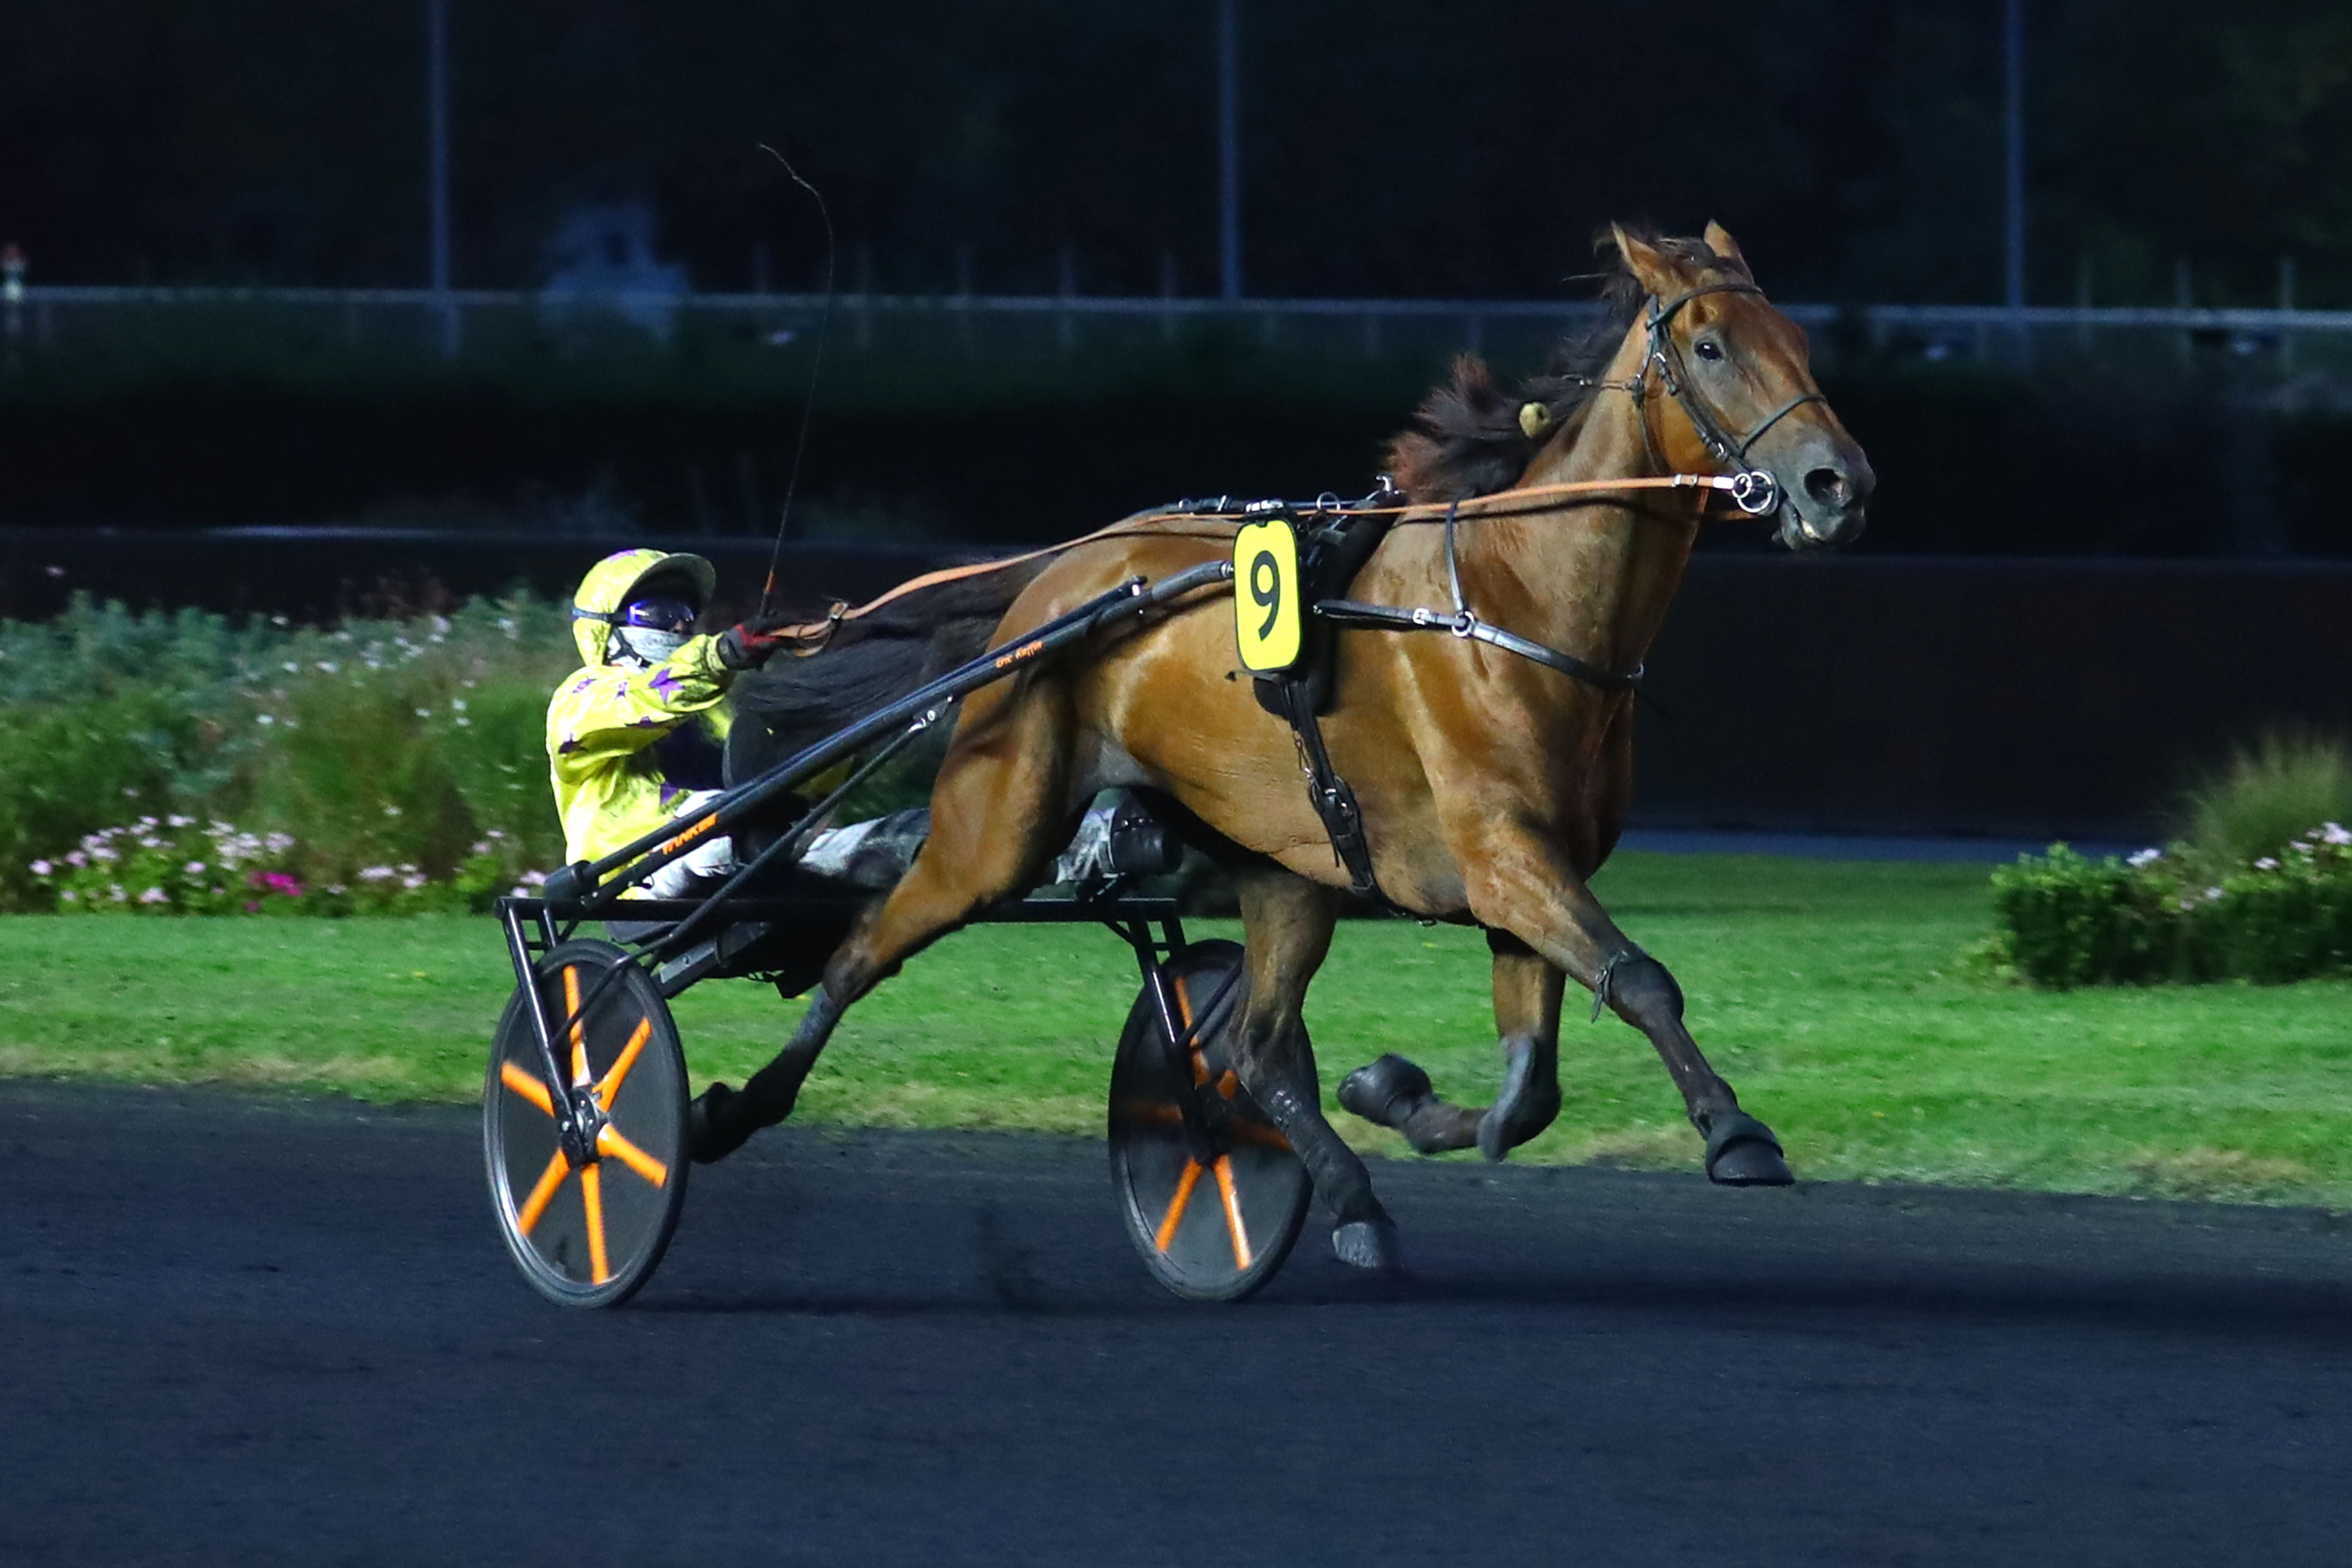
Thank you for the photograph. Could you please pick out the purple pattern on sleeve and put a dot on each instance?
(650, 721)
(585, 683)
(669, 792)
(571, 745)
(665, 685)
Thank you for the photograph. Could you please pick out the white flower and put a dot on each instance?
(69, 896)
(2212, 894)
(374, 873)
(148, 822)
(154, 896)
(180, 821)
(117, 894)
(425, 713)
(392, 811)
(291, 667)
(103, 853)
(2143, 858)
(279, 842)
(264, 718)
(457, 705)
(481, 847)
(77, 859)
(2335, 833)
(329, 666)
(151, 842)
(2265, 864)
(411, 882)
(535, 878)
(464, 722)
(40, 867)
(195, 868)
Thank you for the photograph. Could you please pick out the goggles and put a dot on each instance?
(662, 615)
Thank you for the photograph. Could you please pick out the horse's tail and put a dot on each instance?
(883, 654)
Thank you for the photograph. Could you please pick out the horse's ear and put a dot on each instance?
(1720, 240)
(1651, 268)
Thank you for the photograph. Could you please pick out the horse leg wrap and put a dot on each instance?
(1392, 1092)
(1639, 987)
(1741, 1151)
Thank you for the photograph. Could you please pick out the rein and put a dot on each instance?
(1752, 490)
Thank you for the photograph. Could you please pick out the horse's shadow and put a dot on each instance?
(2296, 1312)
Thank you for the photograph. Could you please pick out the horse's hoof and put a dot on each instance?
(1525, 1107)
(1385, 1092)
(716, 1124)
(1367, 1243)
(1742, 1153)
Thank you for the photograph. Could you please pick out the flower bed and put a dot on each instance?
(2066, 920)
(183, 764)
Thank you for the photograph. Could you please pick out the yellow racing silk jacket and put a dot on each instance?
(605, 718)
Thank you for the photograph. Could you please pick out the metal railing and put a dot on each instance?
(57, 318)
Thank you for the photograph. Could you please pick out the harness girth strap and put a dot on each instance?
(1388, 617)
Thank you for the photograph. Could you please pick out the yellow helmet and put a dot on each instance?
(613, 582)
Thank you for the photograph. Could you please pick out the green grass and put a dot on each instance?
(1835, 997)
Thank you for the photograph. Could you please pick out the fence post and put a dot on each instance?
(1066, 327)
(863, 260)
(2286, 303)
(963, 297)
(2184, 298)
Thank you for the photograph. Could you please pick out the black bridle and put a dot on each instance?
(1755, 491)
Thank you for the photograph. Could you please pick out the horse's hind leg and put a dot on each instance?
(1290, 922)
(1395, 1093)
(996, 812)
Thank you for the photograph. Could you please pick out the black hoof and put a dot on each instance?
(1367, 1243)
(1742, 1153)
(1528, 1103)
(1385, 1091)
(717, 1124)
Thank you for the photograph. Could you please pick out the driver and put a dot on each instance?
(635, 736)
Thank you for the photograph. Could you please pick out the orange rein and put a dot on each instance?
(811, 637)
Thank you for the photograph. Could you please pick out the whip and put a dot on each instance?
(808, 402)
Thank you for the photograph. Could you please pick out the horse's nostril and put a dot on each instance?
(1829, 488)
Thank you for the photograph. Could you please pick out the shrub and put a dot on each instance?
(2066, 920)
(2261, 799)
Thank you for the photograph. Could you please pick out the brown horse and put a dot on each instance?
(1491, 787)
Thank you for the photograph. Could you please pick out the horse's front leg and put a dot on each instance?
(1395, 1093)
(1288, 921)
(1528, 889)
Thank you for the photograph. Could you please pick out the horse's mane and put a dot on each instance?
(1466, 439)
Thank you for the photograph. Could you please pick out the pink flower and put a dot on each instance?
(41, 867)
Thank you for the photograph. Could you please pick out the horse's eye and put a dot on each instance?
(1707, 348)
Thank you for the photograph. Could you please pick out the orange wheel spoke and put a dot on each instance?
(611, 1084)
(1184, 1185)
(531, 1089)
(543, 1193)
(592, 1195)
(1151, 1110)
(609, 1141)
(1257, 1133)
(1234, 1211)
(579, 1027)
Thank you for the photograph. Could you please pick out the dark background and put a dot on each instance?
(2164, 500)
(1399, 147)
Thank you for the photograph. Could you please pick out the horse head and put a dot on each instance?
(1739, 390)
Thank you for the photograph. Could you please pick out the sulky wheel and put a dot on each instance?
(587, 1228)
(1210, 1192)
